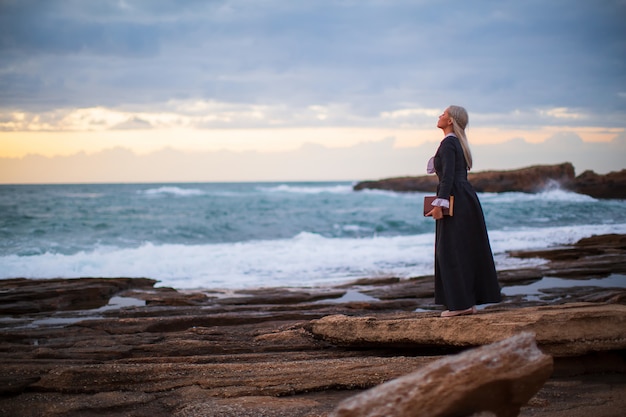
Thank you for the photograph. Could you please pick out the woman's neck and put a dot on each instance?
(447, 130)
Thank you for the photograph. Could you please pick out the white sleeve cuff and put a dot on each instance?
(430, 167)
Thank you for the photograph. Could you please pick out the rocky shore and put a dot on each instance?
(528, 180)
(111, 347)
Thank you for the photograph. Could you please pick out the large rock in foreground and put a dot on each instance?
(499, 378)
(528, 180)
(566, 330)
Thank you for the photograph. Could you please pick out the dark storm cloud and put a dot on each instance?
(368, 56)
(31, 27)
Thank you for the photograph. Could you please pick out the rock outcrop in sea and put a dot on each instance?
(121, 346)
(529, 180)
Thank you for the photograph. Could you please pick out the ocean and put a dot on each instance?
(249, 235)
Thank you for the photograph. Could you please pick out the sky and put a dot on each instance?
(279, 90)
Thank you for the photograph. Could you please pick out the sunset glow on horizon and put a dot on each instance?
(263, 79)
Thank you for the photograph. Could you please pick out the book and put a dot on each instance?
(428, 200)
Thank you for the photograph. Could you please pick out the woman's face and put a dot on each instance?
(444, 120)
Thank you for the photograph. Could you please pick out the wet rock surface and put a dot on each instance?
(112, 347)
(528, 180)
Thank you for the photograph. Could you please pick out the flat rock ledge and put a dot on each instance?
(498, 378)
(567, 330)
(123, 347)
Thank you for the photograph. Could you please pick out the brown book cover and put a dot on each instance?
(428, 200)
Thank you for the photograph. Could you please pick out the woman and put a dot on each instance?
(465, 273)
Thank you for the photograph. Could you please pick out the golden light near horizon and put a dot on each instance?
(493, 135)
(20, 144)
(206, 125)
(142, 141)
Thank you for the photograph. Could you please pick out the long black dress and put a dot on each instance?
(465, 274)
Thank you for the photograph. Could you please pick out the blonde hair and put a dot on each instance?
(460, 119)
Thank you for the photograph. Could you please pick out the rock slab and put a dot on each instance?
(567, 330)
(498, 378)
(529, 180)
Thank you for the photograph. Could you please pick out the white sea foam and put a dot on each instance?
(554, 195)
(175, 191)
(417, 196)
(564, 195)
(537, 238)
(307, 259)
(307, 189)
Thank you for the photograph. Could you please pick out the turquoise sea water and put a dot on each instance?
(236, 235)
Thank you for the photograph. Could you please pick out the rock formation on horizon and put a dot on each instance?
(528, 180)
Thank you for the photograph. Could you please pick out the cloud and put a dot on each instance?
(355, 60)
(62, 27)
(202, 114)
(601, 157)
(133, 123)
(563, 113)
